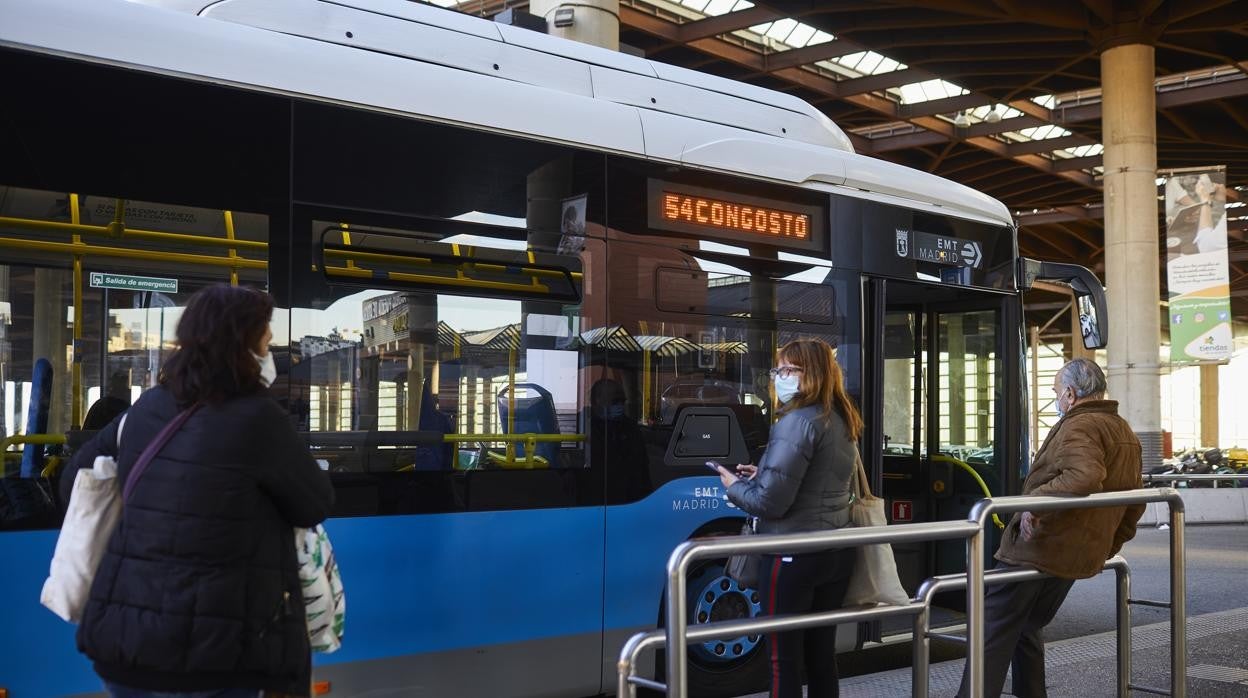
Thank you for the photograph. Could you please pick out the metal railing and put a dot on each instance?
(1193, 477)
(931, 586)
(677, 633)
(982, 511)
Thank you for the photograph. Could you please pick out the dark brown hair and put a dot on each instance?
(217, 334)
(821, 382)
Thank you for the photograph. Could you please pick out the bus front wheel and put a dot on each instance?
(722, 667)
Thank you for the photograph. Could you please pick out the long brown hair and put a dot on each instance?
(821, 382)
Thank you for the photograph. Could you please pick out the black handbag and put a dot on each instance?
(744, 569)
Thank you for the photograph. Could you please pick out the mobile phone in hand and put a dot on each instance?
(713, 466)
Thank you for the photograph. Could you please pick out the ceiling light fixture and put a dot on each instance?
(961, 120)
(993, 116)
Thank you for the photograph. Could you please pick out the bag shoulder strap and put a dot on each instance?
(154, 447)
(120, 426)
(862, 489)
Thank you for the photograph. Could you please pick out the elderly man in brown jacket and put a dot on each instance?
(1090, 449)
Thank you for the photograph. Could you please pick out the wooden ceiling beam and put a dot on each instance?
(1093, 245)
(1200, 15)
(1080, 163)
(791, 58)
(1048, 145)
(1061, 14)
(979, 36)
(1062, 213)
(882, 81)
(948, 105)
(1007, 195)
(726, 23)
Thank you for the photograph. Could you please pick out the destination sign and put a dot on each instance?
(939, 249)
(689, 209)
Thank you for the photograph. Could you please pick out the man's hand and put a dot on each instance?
(1027, 525)
(747, 471)
(726, 477)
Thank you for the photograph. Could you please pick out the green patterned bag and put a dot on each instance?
(324, 601)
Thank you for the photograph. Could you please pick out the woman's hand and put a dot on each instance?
(747, 471)
(727, 477)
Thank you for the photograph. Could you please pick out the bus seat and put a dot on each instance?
(535, 414)
(37, 416)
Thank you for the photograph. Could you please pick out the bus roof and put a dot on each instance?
(438, 64)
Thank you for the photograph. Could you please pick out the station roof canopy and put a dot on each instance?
(1003, 96)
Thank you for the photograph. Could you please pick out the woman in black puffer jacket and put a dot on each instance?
(802, 484)
(199, 589)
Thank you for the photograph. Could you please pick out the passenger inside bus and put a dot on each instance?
(615, 437)
(115, 400)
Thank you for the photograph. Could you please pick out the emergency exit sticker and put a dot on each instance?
(129, 282)
(903, 510)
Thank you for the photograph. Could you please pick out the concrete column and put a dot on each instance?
(1209, 405)
(1129, 125)
(594, 22)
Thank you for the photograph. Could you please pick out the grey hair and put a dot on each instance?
(1084, 377)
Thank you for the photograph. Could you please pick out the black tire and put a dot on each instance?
(716, 679)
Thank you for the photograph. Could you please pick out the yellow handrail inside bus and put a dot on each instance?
(37, 439)
(70, 248)
(233, 252)
(360, 255)
(75, 405)
(118, 230)
(975, 475)
(432, 280)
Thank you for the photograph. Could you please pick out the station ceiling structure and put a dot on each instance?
(1001, 95)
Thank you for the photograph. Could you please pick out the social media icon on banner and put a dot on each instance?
(1223, 315)
(1200, 317)
(1177, 319)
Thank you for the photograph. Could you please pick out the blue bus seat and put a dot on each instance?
(37, 416)
(535, 414)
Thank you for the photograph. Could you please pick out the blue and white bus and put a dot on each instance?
(525, 287)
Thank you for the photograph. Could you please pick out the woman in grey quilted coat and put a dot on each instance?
(802, 483)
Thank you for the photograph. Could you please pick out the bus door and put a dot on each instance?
(939, 410)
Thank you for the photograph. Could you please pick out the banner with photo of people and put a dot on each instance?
(1196, 266)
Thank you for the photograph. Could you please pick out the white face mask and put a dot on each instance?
(268, 369)
(786, 388)
(1061, 411)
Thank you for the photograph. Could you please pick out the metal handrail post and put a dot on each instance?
(982, 510)
(677, 568)
(932, 586)
(975, 613)
(1178, 600)
(1122, 586)
(755, 626)
(789, 544)
(921, 651)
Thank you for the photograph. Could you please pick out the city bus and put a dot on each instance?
(525, 288)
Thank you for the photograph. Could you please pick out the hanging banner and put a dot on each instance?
(1197, 267)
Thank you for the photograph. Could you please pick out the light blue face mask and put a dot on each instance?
(1061, 411)
(786, 388)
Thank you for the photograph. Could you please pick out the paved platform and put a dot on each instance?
(1085, 666)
